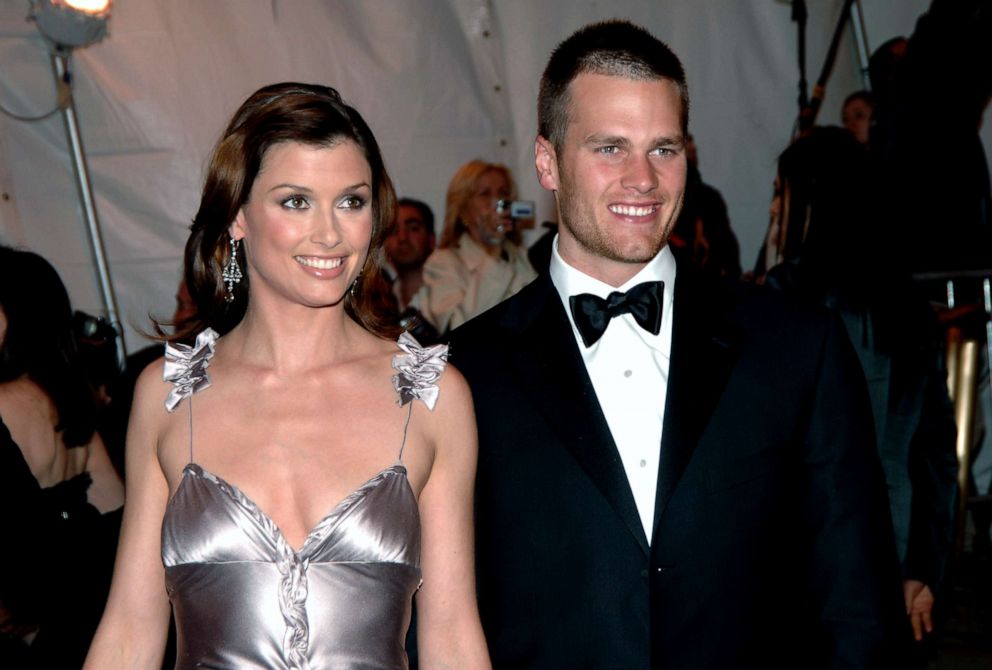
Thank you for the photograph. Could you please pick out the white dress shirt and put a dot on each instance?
(628, 367)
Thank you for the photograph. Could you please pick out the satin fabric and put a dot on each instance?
(592, 314)
(243, 598)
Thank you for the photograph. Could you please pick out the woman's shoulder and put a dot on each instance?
(151, 422)
(442, 254)
(440, 258)
(150, 387)
(18, 387)
(24, 402)
(455, 389)
(423, 374)
(151, 374)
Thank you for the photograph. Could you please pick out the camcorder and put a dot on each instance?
(518, 209)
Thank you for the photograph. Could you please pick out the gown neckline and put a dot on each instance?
(315, 535)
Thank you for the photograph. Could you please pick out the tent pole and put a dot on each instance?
(60, 68)
(861, 41)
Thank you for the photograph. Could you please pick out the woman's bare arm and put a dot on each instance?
(134, 627)
(449, 634)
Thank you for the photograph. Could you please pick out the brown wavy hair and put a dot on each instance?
(460, 191)
(314, 115)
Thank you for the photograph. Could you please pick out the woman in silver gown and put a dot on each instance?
(294, 476)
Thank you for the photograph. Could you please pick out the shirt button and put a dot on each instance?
(627, 373)
(644, 463)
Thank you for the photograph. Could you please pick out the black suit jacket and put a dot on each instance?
(771, 545)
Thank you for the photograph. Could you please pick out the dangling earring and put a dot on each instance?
(354, 284)
(232, 272)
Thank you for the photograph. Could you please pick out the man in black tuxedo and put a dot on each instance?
(673, 473)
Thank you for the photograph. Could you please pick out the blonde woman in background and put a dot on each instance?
(480, 261)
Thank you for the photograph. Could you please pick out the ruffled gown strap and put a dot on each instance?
(186, 367)
(418, 370)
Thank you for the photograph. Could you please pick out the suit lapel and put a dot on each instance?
(704, 349)
(550, 368)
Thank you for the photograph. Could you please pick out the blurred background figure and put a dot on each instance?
(407, 248)
(480, 261)
(855, 115)
(57, 479)
(702, 237)
(828, 249)
(939, 81)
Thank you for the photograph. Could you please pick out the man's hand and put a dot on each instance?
(919, 604)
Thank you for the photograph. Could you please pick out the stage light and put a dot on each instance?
(70, 24)
(95, 7)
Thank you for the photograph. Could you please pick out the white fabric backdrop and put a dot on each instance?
(439, 81)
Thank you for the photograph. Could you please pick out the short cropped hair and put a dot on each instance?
(862, 95)
(616, 48)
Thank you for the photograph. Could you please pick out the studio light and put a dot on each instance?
(71, 24)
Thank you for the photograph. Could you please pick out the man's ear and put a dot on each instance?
(546, 162)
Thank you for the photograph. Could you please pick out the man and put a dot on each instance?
(694, 487)
(408, 246)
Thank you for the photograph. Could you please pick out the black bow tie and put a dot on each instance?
(592, 314)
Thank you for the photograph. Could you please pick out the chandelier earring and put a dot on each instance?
(354, 285)
(232, 272)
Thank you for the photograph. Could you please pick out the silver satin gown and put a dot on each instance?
(243, 598)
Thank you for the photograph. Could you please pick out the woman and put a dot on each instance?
(479, 262)
(296, 416)
(57, 564)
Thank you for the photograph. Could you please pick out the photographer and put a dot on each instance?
(480, 261)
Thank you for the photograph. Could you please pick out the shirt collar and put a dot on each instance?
(570, 281)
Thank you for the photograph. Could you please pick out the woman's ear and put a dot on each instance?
(237, 228)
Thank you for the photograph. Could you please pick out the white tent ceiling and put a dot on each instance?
(440, 82)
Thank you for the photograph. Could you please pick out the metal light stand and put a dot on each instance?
(60, 68)
(861, 42)
(800, 15)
